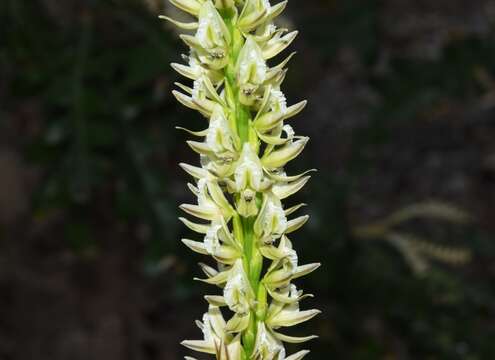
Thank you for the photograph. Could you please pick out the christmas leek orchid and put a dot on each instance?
(241, 182)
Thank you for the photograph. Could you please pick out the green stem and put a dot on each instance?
(241, 119)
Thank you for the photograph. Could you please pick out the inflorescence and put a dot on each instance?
(241, 181)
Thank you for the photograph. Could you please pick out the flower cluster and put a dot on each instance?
(241, 181)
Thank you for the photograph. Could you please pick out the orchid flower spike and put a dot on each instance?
(241, 182)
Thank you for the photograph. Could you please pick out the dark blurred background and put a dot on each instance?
(402, 99)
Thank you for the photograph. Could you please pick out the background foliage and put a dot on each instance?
(402, 100)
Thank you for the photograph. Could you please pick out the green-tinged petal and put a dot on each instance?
(272, 252)
(281, 297)
(199, 147)
(195, 171)
(208, 270)
(283, 178)
(199, 228)
(277, 45)
(185, 71)
(283, 191)
(305, 270)
(248, 22)
(227, 255)
(278, 278)
(282, 156)
(195, 246)
(184, 100)
(275, 70)
(212, 92)
(272, 139)
(296, 223)
(190, 6)
(277, 9)
(212, 29)
(237, 323)
(234, 349)
(293, 209)
(294, 339)
(192, 42)
(224, 4)
(290, 318)
(194, 133)
(179, 24)
(205, 213)
(273, 119)
(216, 300)
(271, 222)
(265, 102)
(238, 292)
(199, 346)
(185, 88)
(298, 356)
(218, 196)
(220, 278)
(285, 297)
(216, 320)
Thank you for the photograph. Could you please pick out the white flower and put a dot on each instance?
(204, 199)
(219, 137)
(212, 38)
(275, 221)
(249, 172)
(287, 315)
(256, 13)
(251, 71)
(267, 346)
(252, 67)
(212, 31)
(271, 222)
(249, 180)
(212, 241)
(212, 326)
(238, 293)
(195, 70)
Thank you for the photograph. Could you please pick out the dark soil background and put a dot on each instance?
(402, 102)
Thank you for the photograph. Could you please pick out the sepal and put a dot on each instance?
(282, 156)
(179, 24)
(190, 6)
